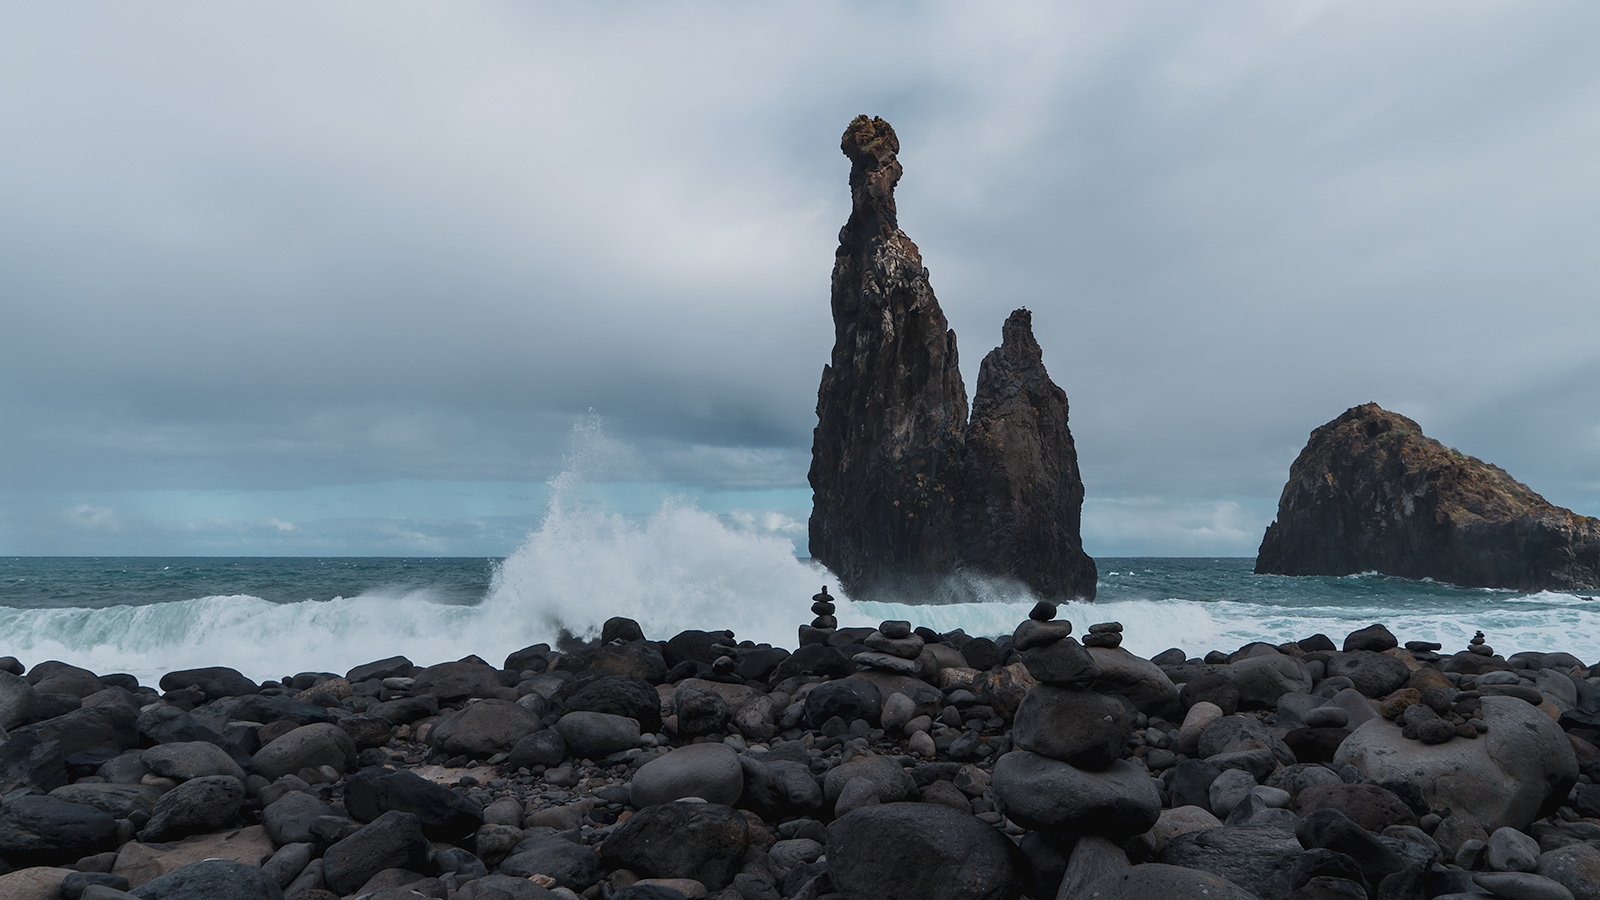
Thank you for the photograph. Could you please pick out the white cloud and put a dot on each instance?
(1161, 526)
(94, 517)
(281, 525)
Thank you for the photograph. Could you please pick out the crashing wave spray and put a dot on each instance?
(679, 567)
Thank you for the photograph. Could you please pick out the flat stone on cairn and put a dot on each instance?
(1049, 652)
(822, 607)
(1065, 775)
(892, 648)
(1105, 634)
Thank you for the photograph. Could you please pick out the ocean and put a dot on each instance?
(676, 569)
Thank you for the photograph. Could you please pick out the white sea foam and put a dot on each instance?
(681, 567)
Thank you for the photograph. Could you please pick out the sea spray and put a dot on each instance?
(678, 567)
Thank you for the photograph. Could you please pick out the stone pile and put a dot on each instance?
(625, 768)
(892, 648)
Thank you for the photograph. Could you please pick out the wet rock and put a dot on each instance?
(918, 850)
(1522, 886)
(25, 761)
(120, 801)
(163, 724)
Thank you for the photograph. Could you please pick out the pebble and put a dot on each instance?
(945, 744)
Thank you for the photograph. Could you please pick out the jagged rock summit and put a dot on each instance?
(906, 490)
(1370, 492)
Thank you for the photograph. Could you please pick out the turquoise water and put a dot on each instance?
(680, 568)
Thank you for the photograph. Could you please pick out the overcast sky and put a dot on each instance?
(313, 278)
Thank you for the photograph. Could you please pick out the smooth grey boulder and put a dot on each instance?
(44, 830)
(918, 851)
(117, 800)
(1512, 851)
(889, 781)
(1156, 881)
(1575, 867)
(483, 728)
(542, 748)
(708, 771)
(1504, 778)
(309, 746)
(595, 735)
(394, 840)
(17, 699)
(1081, 727)
(572, 865)
(198, 805)
(505, 887)
(288, 820)
(1522, 886)
(184, 760)
(211, 879)
(1138, 680)
(1038, 792)
(1258, 858)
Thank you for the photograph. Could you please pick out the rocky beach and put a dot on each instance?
(867, 763)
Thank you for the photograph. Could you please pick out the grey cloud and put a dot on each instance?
(272, 247)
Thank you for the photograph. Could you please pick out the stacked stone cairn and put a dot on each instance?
(826, 623)
(892, 648)
(620, 767)
(1065, 777)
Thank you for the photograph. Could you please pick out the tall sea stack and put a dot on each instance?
(899, 500)
(1371, 493)
(1022, 499)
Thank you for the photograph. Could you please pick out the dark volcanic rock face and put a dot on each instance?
(900, 496)
(1371, 492)
(1022, 499)
(886, 455)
